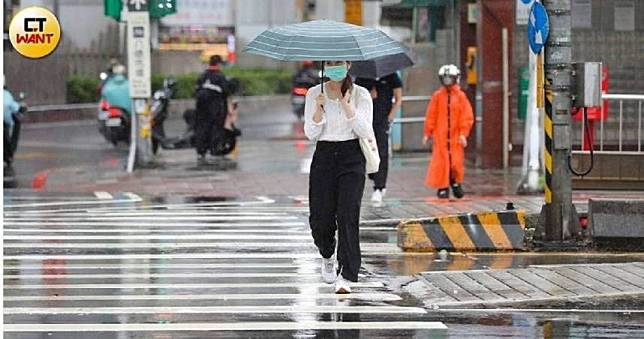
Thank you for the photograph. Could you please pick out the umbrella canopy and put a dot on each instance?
(379, 67)
(323, 40)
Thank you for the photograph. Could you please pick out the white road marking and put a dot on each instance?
(227, 236)
(204, 218)
(164, 245)
(133, 196)
(216, 310)
(539, 310)
(152, 231)
(65, 203)
(103, 195)
(308, 264)
(372, 284)
(157, 214)
(307, 274)
(265, 199)
(136, 198)
(235, 296)
(274, 255)
(154, 224)
(130, 208)
(235, 326)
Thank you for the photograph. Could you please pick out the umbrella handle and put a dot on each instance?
(322, 78)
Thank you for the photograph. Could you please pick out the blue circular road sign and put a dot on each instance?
(538, 27)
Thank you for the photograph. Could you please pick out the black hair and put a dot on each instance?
(347, 84)
(215, 60)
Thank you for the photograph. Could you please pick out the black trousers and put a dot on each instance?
(382, 140)
(336, 184)
(209, 128)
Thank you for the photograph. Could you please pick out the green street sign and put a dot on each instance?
(161, 8)
(113, 8)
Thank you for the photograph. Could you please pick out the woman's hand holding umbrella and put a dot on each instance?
(319, 108)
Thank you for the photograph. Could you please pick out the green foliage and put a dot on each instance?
(261, 81)
(253, 82)
(81, 89)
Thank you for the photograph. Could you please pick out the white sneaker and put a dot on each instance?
(328, 270)
(376, 197)
(383, 192)
(342, 286)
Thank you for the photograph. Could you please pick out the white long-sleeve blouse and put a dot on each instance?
(334, 125)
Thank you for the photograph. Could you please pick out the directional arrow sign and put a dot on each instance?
(538, 27)
(137, 5)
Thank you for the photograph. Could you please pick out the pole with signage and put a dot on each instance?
(538, 31)
(559, 213)
(138, 46)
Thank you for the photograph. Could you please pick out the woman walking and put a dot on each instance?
(336, 117)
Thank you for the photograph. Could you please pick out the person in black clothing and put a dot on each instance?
(213, 105)
(386, 93)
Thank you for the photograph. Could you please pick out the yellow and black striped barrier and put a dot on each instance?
(488, 231)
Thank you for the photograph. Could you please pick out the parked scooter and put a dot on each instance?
(114, 116)
(159, 109)
(113, 123)
(11, 135)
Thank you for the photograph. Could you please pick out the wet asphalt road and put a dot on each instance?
(124, 268)
(84, 266)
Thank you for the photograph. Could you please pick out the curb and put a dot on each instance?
(486, 231)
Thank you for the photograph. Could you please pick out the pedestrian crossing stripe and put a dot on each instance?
(488, 231)
(373, 296)
(148, 256)
(159, 214)
(360, 284)
(199, 218)
(233, 326)
(216, 310)
(126, 281)
(228, 236)
(153, 231)
(153, 224)
(165, 245)
(299, 264)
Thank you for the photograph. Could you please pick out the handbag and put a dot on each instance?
(370, 151)
(369, 148)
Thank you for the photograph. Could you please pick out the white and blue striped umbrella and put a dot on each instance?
(323, 40)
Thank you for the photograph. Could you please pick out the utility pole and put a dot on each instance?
(560, 217)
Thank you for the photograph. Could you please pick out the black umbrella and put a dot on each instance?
(379, 67)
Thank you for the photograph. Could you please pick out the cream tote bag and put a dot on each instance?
(368, 145)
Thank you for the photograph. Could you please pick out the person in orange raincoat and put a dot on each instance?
(448, 121)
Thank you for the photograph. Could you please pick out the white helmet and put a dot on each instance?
(447, 72)
(119, 69)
